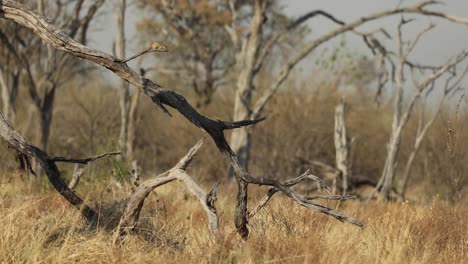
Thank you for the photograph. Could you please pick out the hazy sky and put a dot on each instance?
(446, 40)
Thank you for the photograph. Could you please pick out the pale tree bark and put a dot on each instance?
(133, 118)
(342, 147)
(9, 93)
(20, 14)
(124, 88)
(132, 122)
(247, 58)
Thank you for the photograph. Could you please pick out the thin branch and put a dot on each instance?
(155, 47)
(293, 182)
(83, 161)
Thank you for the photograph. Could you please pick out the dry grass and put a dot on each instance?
(40, 227)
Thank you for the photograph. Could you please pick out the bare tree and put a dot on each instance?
(402, 113)
(124, 89)
(342, 147)
(451, 87)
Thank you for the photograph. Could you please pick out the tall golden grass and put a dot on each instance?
(40, 227)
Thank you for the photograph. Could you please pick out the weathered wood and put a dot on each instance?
(246, 60)
(342, 147)
(76, 177)
(129, 220)
(424, 127)
(418, 8)
(85, 160)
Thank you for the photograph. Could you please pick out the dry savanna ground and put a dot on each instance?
(39, 226)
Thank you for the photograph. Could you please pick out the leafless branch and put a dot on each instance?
(23, 146)
(86, 160)
(293, 182)
(136, 200)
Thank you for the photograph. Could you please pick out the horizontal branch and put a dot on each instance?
(86, 160)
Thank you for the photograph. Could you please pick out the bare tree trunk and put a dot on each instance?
(124, 88)
(46, 115)
(423, 128)
(393, 146)
(388, 173)
(246, 62)
(133, 118)
(341, 146)
(9, 95)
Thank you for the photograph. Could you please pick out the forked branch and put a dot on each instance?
(136, 200)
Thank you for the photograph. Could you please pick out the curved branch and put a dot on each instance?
(135, 203)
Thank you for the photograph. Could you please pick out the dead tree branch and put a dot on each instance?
(423, 128)
(23, 146)
(135, 203)
(86, 160)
